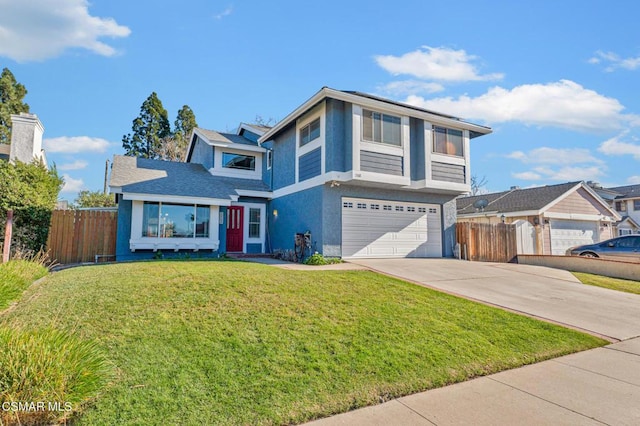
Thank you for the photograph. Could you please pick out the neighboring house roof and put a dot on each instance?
(629, 221)
(516, 199)
(528, 201)
(132, 175)
(626, 192)
(366, 99)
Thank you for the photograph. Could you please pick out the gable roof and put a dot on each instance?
(628, 191)
(516, 199)
(373, 102)
(213, 137)
(133, 175)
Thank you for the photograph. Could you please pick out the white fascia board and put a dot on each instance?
(578, 216)
(251, 193)
(115, 189)
(176, 199)
(326, 92)
(478, 214)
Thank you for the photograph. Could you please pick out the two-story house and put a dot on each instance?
(366, 176)
(627, 203)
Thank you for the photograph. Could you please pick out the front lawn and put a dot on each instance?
(240, 343)
(608, 282)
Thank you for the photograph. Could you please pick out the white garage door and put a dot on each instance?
(569, 233)
(378, 228)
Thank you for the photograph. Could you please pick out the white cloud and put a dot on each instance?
(615, 61)
(406, 87)
(76, 165)
(435, 63)
(564, 104)
(40, 29)
(559, 156)
(75, 144)
(615, 146)
(228, 11)
(71, 184)
(633, 180)
(570, 173)
(527, 176)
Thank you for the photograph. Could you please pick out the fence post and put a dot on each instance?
(7, 237)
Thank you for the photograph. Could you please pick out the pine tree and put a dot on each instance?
(149, 128)
(11, 95)
(184, 125)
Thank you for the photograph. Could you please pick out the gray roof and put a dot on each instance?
(214, 136)
(628, 191)
(515, 200)
(156, 177)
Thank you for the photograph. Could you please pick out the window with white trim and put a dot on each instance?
(166, 220)
(310, 132)
(448, 141)
(621, 206)
(269, 159)
(254, 223)
(381, 128)
(636, 205)
(238, 161)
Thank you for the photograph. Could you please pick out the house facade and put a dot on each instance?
(549, 219)
(627, 203)
(365, 176)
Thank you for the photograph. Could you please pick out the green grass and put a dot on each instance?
(608, 282)
(15, 277)
(241, 343)
(48, 365)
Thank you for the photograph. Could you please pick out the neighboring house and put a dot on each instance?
(366, 176)
(550, 218)
(26, 139)
(627, 204)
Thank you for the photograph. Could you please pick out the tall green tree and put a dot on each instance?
(149, 128)
(11, 95)
(31, 191)
(184, 125)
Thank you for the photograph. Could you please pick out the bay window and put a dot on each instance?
(166, 220)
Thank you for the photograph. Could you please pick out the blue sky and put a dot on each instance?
(558, 82)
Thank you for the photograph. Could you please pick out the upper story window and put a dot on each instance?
(636, 204)
(382, 128)
(447, 141)
(269, 159)
(310, 132)
(238, 161)
(621, 206)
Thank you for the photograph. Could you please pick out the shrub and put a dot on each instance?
(15, 277)
(47, 366)
(318, 259)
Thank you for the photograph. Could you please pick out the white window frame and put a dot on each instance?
(430, 157)
(382, 114)
(245, 224)
(219, 170)
(319, 142)
(359, 144)
(308, 125)
(138, 242)
(269, 159)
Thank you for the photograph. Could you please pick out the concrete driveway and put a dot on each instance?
(546, 293)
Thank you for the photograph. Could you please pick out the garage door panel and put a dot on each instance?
(393, 229)
(571, 233)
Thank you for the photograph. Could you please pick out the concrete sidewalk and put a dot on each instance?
(595, 387)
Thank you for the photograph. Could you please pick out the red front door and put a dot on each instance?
(235, 222)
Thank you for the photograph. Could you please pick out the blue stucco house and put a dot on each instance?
(366, 176)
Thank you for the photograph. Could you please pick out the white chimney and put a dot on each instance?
(26, 138)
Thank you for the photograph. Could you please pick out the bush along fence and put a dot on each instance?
(79, 236)
(487, 243)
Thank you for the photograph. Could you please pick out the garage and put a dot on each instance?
(380, 228)
(570, 233)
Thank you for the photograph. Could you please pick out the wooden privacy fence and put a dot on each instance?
(77, 236)
(487, 243)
